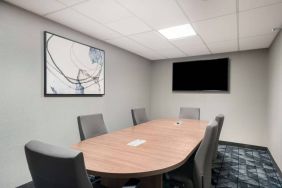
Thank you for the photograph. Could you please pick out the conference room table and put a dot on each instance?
(145, 151)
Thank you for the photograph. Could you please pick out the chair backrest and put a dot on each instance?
(56, 167)
(189, 113)
(139, 116)
(204, 156)
(220, 119)
(91, 125)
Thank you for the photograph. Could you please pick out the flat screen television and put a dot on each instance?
(202, 75)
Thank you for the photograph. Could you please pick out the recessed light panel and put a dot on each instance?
(177, 32)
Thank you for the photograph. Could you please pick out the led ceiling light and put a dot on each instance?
(177, 32)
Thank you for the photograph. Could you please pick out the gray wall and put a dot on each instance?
(244, 106)
(25, 114)
(274, 125)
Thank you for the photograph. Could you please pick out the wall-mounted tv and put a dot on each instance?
(203, 75)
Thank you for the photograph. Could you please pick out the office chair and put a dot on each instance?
(91, 125)
(139, 116)
(56, 167)
(189, 113)
(197, 174)
(220, 119)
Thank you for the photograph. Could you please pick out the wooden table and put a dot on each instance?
(167, 147)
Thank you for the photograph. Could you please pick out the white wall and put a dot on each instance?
(274, 124)
(244, 107)
(25, 114)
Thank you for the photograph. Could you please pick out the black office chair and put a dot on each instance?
(197, 174)
(91, 125)
(139, 116)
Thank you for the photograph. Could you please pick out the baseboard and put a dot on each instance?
(253, 147)
(243, 145)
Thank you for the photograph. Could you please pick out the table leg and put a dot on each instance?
(152, 181)
(113, 182)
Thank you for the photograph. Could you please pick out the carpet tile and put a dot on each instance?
(240, 167)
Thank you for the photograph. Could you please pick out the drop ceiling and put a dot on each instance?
(221, 25)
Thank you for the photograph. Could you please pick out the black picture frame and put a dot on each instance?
(46, 94)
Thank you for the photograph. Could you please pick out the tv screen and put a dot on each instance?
(203, 75)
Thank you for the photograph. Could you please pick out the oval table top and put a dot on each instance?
(167, 147)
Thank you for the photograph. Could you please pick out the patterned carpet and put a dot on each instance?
(238, 167)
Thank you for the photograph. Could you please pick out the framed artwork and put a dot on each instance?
(72, 68)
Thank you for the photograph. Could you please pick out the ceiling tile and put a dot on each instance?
(38, 6)
(71, 2)
(136, 48)
(151, 55)
(217, 29)
(260, 21)
(129, 26)
(103, 11)
(155, 41)
(171, 52)
(257, 42)
(152, 40)
(83, 24)
(250, 4)
(223, 46)
(215, 21)
(126, 43)
(201, 10)
(191, 46)
(158, 14)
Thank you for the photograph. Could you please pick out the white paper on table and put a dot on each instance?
(136, 142)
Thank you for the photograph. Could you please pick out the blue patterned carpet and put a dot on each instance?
(238, 167)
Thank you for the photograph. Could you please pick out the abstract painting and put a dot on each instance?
(72, 68)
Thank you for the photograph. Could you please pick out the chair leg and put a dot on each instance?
(94, 179)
